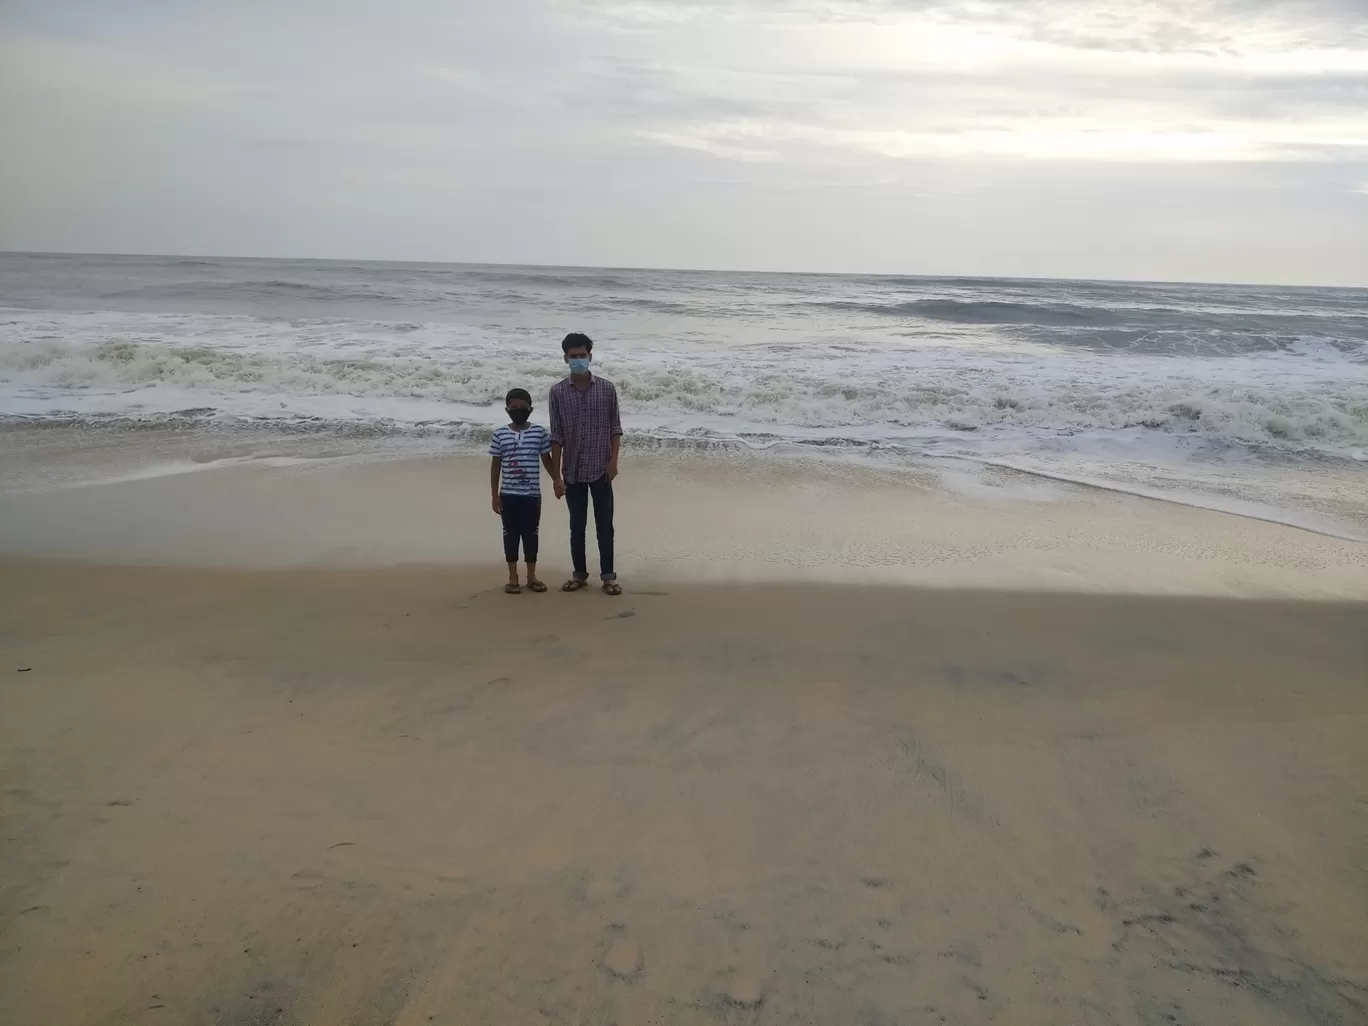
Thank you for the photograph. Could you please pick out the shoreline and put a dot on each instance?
(1211, 503)
(1323, 498)
(191, 499)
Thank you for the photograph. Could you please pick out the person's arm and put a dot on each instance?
(557, 446)
(495, 464)
(613, 447)
(615, 442)
(554, 466)
(547, 460)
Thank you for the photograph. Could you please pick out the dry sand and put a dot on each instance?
(377, 795)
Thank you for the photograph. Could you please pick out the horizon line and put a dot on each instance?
(680, 270)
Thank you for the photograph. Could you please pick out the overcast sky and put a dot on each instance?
(1158, 139)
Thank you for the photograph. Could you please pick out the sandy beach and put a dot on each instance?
(968, 404)
(853, 748)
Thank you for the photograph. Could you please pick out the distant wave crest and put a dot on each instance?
(238, 291)
(1347, 325)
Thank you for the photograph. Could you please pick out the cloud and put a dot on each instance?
(1030, 80)
(519, 128)
(1204, 26)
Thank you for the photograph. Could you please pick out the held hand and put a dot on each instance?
(559, 486)
(497, 503)
(611, 472)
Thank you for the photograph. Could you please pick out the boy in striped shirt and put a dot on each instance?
(515, 485)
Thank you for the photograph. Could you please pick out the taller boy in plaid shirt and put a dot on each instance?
(586, 431)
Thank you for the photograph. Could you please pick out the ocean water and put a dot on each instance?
(1130, 384)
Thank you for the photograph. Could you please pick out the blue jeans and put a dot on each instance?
(577, 497)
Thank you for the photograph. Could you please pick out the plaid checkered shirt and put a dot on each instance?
(584, 424)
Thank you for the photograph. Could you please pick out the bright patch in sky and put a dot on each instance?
(1210, 139)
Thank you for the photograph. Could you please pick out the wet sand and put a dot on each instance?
(396, 795)
(200, 499)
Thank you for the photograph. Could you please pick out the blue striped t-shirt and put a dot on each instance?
(519, 453)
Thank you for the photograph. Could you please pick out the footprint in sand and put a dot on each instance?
(623, 959)
(747, 990)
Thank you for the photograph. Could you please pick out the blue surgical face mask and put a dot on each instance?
(579, 365)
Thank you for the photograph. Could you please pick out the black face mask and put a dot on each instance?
(519, 416)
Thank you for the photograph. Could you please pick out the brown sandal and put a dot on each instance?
(512, 589)
(574, 584)
(612, 588)
(536, 586)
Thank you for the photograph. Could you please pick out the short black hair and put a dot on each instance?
(518, 393)
(577, 340)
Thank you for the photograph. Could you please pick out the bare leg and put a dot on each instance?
(512, 585)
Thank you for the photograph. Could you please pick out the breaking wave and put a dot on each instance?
(1255, 401)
